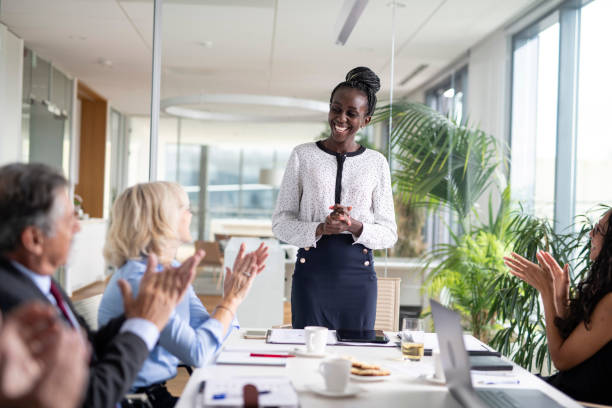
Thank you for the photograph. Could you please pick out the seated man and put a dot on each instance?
(37, 227)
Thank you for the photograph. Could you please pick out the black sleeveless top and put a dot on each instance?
(590, 381)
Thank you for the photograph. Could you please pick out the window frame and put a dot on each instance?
(567, 14)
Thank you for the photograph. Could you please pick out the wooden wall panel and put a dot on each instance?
(92, 152)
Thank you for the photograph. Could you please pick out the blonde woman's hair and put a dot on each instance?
(145, 220)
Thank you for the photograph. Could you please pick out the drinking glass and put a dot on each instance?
(413, 337)
(412, 324)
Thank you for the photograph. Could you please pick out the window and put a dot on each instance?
(448, 98)
(224, 182)
(559, 109)
(534, 119)
(235, 188)
(231, 184)
(594, 138)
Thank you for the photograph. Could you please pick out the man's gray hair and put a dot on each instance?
(28, 197)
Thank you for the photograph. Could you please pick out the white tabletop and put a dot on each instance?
(404, 386)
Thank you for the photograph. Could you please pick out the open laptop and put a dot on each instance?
(455, 363)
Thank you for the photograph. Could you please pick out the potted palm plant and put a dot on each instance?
(441, 164)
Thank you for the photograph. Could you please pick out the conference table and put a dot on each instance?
(409, 384)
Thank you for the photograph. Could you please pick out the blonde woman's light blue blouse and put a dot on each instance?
(191, 336)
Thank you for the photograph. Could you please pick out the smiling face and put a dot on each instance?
(597, 235)
(347, 114)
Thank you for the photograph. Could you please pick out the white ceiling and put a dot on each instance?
(271, 47)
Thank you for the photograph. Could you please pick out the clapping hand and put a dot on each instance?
(529, 272)
(546, 276)
(40, 358)
(560, 280)
(239, 279)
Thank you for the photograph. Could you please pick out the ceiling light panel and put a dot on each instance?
(349, 16)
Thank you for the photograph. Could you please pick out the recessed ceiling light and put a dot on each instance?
(205, 44)
(180, 106)
(77, 37)
(449, 93)
(349, 15)
(105, 62)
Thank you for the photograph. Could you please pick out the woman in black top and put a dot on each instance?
(578, 329)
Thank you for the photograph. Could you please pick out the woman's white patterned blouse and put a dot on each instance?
(309, 189)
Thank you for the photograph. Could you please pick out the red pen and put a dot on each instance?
(272, 355)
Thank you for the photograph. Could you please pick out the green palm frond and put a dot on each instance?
(438, 162)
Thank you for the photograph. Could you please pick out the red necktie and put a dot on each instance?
(60, 303)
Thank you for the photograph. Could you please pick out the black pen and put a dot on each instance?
(201, 393)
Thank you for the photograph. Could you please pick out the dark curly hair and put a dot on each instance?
(365, 80)
(592, 289)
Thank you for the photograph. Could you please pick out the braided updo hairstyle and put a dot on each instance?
(365, 80)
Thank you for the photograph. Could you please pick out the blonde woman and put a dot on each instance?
(154, 218)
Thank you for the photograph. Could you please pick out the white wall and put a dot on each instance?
(488, 84)
(488, 92)
(11, 82)
(86, 263)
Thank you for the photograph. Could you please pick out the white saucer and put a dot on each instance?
(369, 378)
(351, 390)
(431, 379)
(301, 352)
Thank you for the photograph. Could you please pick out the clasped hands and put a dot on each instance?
(338, 221)
(547, 277)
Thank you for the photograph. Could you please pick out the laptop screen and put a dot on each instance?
(456, 366)
(455, 360)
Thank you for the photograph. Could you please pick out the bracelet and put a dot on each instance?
(226, 308)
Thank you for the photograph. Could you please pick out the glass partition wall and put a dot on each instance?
(221, 138)
(227, 141)
(46, 112)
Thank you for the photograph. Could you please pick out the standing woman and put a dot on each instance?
(336, 204)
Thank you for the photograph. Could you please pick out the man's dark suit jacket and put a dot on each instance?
(116, 357)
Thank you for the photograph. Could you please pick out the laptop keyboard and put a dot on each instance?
(497, 399)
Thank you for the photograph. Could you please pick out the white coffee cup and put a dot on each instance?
(438, 370)
(315, 338)
(336, 372)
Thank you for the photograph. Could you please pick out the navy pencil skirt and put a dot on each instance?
(334, 285)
